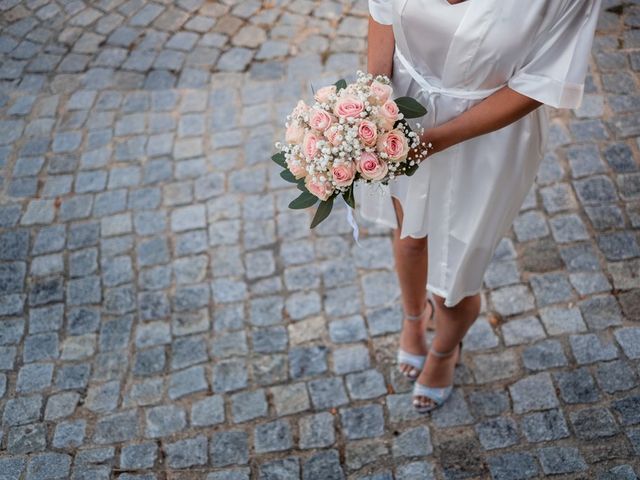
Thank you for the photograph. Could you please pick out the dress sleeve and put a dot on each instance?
(380, 10)
(554, 70)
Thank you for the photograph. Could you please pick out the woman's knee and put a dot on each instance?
(412, 246)
(471, 301)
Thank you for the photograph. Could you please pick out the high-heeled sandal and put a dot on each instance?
(438, 395)
(412, 359)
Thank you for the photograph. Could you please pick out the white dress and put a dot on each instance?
(450, 57)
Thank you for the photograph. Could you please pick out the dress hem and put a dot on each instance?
(442, 293)
(402, 234)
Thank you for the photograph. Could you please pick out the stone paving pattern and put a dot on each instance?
(164, 315)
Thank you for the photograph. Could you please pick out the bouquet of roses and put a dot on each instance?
(351, 133)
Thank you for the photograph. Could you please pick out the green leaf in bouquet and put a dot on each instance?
(410, 107)
(301, 185)
(279, 159)
(288, 176)
(322, 212)
(348, 197)
(411, 169)
(305, 200)
(340, 84)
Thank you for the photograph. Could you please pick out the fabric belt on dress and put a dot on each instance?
(431, 89)
(450, 92)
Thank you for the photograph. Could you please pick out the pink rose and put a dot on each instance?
(348, 107)
(294, 134)
(344, 173)
(389, 113)
(333, 136)
(367, 132)
(370, 166)
(322, 190)
(297, 169)
(381, 92)
(324, 93)
(320, 120)
(300, 109)
(394, 144)
(310, 145)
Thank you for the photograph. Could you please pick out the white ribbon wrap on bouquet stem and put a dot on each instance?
(352, 221)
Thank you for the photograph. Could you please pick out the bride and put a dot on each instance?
(482, 68)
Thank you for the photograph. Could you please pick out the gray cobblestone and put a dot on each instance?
(118, 427)
(187, 382)
(104, 397)
(544, 355)
(499, 432)
(304, 361)
(138, 456)
(26, 439)
(491, 367)
(511, 300)
(327, 392)
(164, 420)
(61, 405)
(365, 385)
(208, 411)
(592, 423)
(615, 376)
(229, 375)
(350, 359)
(34, 377)
(627, 410)
(628, 339)
(273, 436)
(600, 311)
(325, 463)
(513, 466)
(246, 406)
(289, 399)
(48, 466)
(317, 431)
(362, 422)
(535, 392)
(229, 448)
(522, 330)
(415, 470)
(577, 386)
(188, 452)
(591, 348)
(285, 468)
(69, 434)
(350, 329)
(544, 426)
(22, 410)
(557, 460)
(412, 443)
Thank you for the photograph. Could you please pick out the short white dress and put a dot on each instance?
(450, 57)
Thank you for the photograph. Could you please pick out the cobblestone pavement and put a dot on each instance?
(164, 315)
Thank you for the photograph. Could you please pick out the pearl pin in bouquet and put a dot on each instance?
(353, 132)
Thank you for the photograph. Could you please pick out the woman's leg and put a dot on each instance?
(410, 256)
(452, 323)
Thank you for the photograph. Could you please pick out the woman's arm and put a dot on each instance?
(494, 112)
(380, 47)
